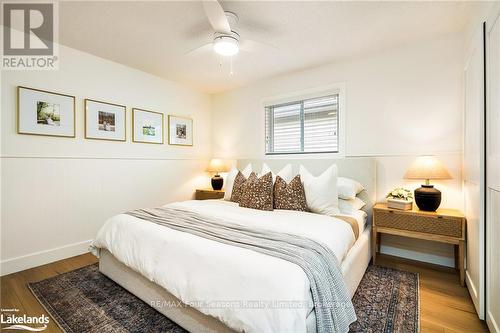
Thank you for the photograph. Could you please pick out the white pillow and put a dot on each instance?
(286, 173)
(228, 188)
(348, 188)
(321, 191)
(351, 205)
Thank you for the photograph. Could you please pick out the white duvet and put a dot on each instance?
(225, 281)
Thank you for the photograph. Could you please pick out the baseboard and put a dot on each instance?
(474, 294)
(43, 257)
(472, 290)
(418, 256)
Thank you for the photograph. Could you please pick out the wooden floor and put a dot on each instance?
(445, 306)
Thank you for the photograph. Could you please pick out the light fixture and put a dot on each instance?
(427, 167)
(217, 165)
(226, 45)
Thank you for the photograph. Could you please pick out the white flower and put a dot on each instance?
(400, 193)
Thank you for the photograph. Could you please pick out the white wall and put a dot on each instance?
(400, 104)
(57, 192)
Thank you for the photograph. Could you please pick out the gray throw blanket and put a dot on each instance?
(332, 304)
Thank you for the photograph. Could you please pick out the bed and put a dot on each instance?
(198, 271)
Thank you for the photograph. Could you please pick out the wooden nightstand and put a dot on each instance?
(443, 225)
(208, 193)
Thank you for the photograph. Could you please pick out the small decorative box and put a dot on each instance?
(399, 204)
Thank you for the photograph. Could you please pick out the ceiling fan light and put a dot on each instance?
(226, 46)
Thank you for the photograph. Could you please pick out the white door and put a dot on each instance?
(493, 172)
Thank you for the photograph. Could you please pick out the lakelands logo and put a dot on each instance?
(24, 322)
(29, 36)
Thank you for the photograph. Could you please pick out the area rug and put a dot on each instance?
(387, 300)
(85, 300)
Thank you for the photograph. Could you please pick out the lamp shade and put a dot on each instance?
(217, 165)
(427, 167)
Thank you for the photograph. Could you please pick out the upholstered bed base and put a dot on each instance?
(353, 269)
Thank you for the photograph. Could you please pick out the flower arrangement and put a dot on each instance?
(401, 194)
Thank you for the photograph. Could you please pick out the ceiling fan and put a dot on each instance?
(226, 39)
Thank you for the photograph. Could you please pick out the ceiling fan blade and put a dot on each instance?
(216, 16)
(249, 45)
(204, 49)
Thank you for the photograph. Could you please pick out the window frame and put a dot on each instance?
(301, 96)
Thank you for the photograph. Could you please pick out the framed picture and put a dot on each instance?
(105, 121)
(180, 131)
(147, 126)
(41, 112)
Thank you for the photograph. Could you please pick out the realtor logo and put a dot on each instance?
(29, 31)
(17, 322)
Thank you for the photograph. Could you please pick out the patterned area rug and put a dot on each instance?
(387, 300)
(85, 300)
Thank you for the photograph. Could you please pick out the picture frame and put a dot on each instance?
(105, 121)
(180, 131)
(147, 126)
(45, 113)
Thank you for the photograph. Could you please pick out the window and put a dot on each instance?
(305, 126)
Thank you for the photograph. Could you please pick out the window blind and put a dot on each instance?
(306, 126)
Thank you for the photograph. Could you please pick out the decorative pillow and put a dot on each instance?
(289, 196)
(231, 177)
(238, 185)
(348, 188)
(351, 205)
(286, 173)
(258, 192)
(321, 191)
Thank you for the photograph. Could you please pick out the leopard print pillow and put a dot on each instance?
(258, 192)
(239, 181)
(290, 196)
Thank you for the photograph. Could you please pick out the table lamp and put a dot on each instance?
(427, 197)
(217, 165)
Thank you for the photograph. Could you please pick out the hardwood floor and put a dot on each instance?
(445, 306)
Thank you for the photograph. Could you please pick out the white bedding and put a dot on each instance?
(204, 273)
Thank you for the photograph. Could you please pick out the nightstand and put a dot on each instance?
(208, 193)
(443, 225)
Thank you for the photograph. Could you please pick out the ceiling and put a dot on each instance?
(155, 36)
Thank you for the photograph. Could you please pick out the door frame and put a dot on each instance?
(476, 288)
(492, 179)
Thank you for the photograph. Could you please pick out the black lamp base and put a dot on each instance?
(427, 198)
(217, 182)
